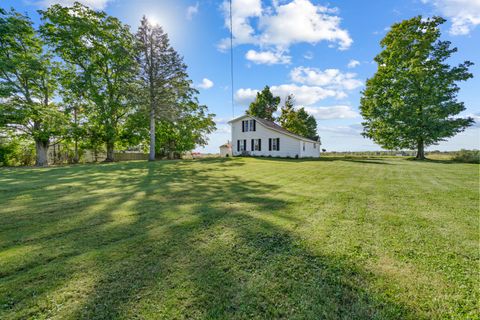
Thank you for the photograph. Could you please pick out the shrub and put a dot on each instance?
(17, 152)
(467, 156)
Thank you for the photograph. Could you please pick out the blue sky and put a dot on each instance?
(320, 51)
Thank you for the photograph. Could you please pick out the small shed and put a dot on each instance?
(226, 150)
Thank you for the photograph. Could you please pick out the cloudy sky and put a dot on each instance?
(320, 51)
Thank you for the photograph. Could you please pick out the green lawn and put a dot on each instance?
(241, 238)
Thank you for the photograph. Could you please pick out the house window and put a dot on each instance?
(249, 125)
(274, 144)
(314, 146)
(256, 144)
(304, 146)
(241, 145)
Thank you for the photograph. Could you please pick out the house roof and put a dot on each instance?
(226, 145)
(273, 126)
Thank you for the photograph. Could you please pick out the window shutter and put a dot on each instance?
(243, 126)
(238, 145)
(269, 144)
(259, 144)
(254, 125)
(278, 144)
(253, 147)
(245, 145)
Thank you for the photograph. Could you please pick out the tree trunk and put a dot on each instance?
(41, 148)
(420, 150)
(75, 156)
(151, 156)
(110, 157)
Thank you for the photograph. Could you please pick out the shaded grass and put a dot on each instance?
(242, 238)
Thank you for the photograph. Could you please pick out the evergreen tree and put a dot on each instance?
(163, 75)
(265, 105)
(298, 121)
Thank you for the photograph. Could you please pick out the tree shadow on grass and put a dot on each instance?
(367, 160)
(177, 240)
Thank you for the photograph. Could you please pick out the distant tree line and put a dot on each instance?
(84, 80)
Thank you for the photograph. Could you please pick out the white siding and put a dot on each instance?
(289, 146)
(311, 149)
(225, 152)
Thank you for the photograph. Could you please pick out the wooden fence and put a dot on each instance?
(130, 156)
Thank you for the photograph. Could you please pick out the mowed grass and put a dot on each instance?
(241, 238)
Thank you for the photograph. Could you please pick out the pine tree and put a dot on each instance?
(163, 75)
(265, 105)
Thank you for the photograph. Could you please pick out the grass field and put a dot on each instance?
(241, 238)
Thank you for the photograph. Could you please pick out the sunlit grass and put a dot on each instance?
(243, 238)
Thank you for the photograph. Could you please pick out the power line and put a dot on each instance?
(231, 59)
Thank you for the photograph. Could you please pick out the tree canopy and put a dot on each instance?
(102, 51)
(83, 81)
(264, 105)
(411, 101)
(298, 121)
(27, 83)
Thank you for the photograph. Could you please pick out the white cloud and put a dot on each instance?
(309, 86)
(329, 78)
(308, 55)
(464, 14)
(353, 63)
(304, 95)
(267, 57)
(476, 118)
(206, 84)
(222, 128)
(94, 4)
(350, 130)
(192, 11)
(283, 24)
(245, 96)
(332, 112)
(242, 12)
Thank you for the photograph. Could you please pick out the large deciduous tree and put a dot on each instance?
(411, 101)
(163, 76)
(27, 84)
(188, 130)
(264, 105)
(298, 121)
(102, 50)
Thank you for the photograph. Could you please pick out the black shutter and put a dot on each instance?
(259, 144)
(245, 145)
(254, 125)
(253, 147)
(238, 145)
(278, 144)
(243, 126)
(269, 144)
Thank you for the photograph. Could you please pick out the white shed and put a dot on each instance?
(226, 150)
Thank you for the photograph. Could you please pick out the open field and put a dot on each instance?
(243, 238)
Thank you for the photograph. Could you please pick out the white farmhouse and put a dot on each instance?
(259, 137)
